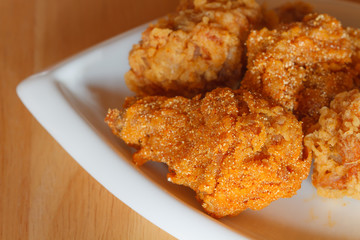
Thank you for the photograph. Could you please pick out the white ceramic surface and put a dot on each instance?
(71, 99)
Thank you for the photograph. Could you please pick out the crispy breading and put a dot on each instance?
(234, 149)
(194, 50)
(336, 147)
(301, 65)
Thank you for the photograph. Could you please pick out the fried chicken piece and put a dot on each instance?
(234, 149)
(195, 50)
(286, 13)
(336, 147)
(301, 66)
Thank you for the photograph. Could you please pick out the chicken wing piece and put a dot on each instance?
(302, 65)
(336, 147)
(194, 50)
(234, 149)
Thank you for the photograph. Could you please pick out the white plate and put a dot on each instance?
(71, 99)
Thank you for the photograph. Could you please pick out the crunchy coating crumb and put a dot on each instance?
(234, 149)
(302, 65)
(194, 50)
(336, 147)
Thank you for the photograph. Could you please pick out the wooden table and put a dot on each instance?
(44, 193)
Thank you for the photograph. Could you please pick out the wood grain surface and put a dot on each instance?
(44, 193)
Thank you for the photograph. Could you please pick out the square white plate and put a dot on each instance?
(71, 99)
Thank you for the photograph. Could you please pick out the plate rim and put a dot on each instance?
(40, 92)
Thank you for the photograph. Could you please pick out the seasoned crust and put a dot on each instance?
(336, 147)
(196, 49)
(301, 65)
(233, 148)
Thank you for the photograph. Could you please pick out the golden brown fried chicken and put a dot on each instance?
(234, 149)
(301, 65)
(195, 50)
(336, 147)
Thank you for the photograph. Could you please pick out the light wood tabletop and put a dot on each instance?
(44, 193)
